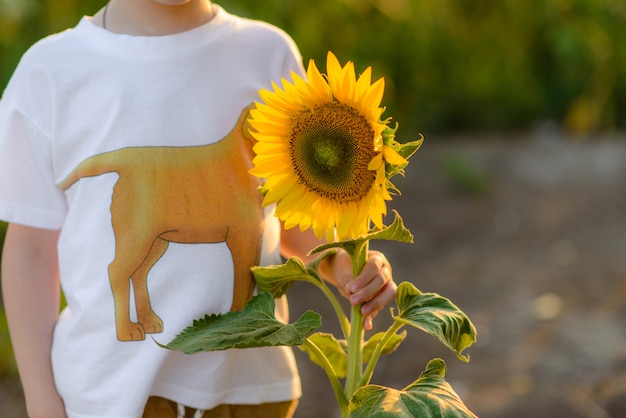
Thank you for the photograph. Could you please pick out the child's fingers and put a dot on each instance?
(373, 278)
(372, 307)
(382, 299)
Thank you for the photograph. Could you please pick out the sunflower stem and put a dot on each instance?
(320, 283)
(330, 372)
(355, 352)
(355, 339)
(341, 315)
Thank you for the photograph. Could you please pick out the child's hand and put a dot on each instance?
(374, 286)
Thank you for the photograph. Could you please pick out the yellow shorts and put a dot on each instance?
(158, 407)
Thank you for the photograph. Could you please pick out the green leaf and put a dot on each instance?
(335, 351)
(313, 266)
(391, 346)
(278, 279)
(410, 148)
(404, 150)
(430, 396)
(437, 316)
(394, 232)
(350, 246)
(255, 326)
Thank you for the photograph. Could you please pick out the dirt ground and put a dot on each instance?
(528, 237)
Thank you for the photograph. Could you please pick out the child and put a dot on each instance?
(123, 158)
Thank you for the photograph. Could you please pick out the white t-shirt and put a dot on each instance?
(89, 92)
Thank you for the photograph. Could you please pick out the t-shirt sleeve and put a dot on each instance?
(293, 61)
(283, 54)
(28, 194)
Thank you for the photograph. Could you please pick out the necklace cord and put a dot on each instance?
(104, 16)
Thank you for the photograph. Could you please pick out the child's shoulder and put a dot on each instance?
(256, 27)
(259, 33)
(41, 60)
(48, 49)
(259, 26)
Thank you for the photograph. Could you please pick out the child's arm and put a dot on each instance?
(30, 287)
(374, 286)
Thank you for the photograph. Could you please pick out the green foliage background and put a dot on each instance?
(449, 65)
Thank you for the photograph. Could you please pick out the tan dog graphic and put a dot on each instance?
(200, 194)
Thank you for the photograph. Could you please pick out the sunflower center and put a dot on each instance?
(331, 146)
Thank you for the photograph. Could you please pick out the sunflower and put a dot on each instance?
(321, 151)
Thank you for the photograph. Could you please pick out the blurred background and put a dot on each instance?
(516, 199)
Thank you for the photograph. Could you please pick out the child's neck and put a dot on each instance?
(153, 18)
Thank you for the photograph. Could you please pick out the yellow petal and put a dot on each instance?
(266, 112)
(299, 214)
(290, 199)
(270, 147)
(294, 94)
(344, 224)
(281, 183)
(363, 84)
(269, 128)
(322, 216)
(375, 94)
(361, 221)
(345, 92)
(305, 221)
(378, 143)
(334, 72)
(392, 157)
(319, 83)
(274, 195)
(330, 235)
(318, 230)
(292, 220)
(376, 162)
(269, 166)
(376, 213)
(278, 100)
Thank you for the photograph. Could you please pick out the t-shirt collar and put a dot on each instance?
(139, 47)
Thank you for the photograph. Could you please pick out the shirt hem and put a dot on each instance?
(253, 395)
(29, 216)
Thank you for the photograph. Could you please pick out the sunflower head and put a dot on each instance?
(324, 152)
